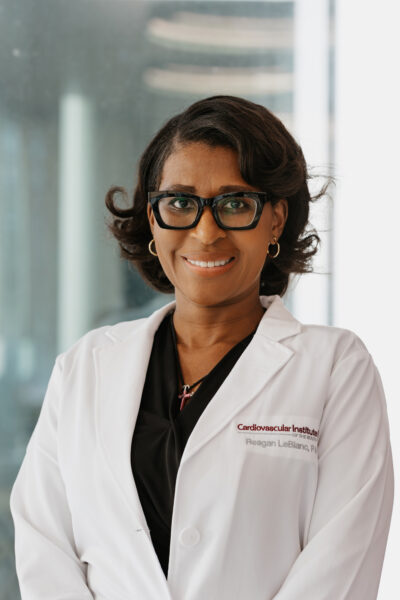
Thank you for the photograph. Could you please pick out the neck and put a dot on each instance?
(199, 326)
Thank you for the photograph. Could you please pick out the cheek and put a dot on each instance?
(255, 249)
(168, 250)
(257, 259)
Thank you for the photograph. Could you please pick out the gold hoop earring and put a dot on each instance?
(150, 250)
(274, 243)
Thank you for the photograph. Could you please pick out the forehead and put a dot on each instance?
(197, 160)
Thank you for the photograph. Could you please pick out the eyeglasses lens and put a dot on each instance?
(233, 211)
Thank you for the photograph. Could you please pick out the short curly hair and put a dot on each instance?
(269, 158)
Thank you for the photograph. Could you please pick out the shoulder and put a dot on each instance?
(319, 343)
(345, 340)
(100, 336)
(337, 343)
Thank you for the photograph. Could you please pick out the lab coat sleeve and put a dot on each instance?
(343, 553)
(47, 564)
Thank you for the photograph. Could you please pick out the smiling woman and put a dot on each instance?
(195, 453)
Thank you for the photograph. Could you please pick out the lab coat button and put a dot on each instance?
(189, 536)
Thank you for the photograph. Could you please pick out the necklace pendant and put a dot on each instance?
(185, 395)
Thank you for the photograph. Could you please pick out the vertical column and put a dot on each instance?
(367, 207)
(311, 292)
(75, 252)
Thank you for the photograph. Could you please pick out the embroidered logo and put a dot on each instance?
(291, 436)
(285, 428)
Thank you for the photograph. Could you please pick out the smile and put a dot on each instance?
(217, 267)
(208, 264)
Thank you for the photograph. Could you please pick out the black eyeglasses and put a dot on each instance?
(181, 210)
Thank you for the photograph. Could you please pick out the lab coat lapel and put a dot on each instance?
(259, 362)
(121, 372)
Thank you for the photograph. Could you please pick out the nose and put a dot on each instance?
(207, 229)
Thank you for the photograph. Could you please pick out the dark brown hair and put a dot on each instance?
(269, 158)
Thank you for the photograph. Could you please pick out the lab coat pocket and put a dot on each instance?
(276, 436)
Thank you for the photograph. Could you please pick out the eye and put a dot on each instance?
(179, 202)
(236, 204)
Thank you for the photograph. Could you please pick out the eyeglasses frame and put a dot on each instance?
(261, 198)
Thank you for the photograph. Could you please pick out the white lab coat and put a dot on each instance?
(259, 514)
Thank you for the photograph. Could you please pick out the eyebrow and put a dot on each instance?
(224, 188)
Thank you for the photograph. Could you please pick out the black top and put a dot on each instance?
(162, 429)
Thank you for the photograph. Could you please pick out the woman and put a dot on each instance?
(219, 448)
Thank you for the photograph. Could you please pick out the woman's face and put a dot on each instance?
(208, 171)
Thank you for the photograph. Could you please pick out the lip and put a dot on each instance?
(210, 271)
(208, 257)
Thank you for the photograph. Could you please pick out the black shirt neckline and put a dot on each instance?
(195, 406)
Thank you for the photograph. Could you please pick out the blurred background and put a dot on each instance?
(84, 84)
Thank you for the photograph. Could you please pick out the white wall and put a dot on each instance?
(366, 284)
(311, 127)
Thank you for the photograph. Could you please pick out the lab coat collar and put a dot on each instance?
(121, 371)
(277, 323)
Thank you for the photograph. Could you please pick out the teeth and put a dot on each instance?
(216, 263)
